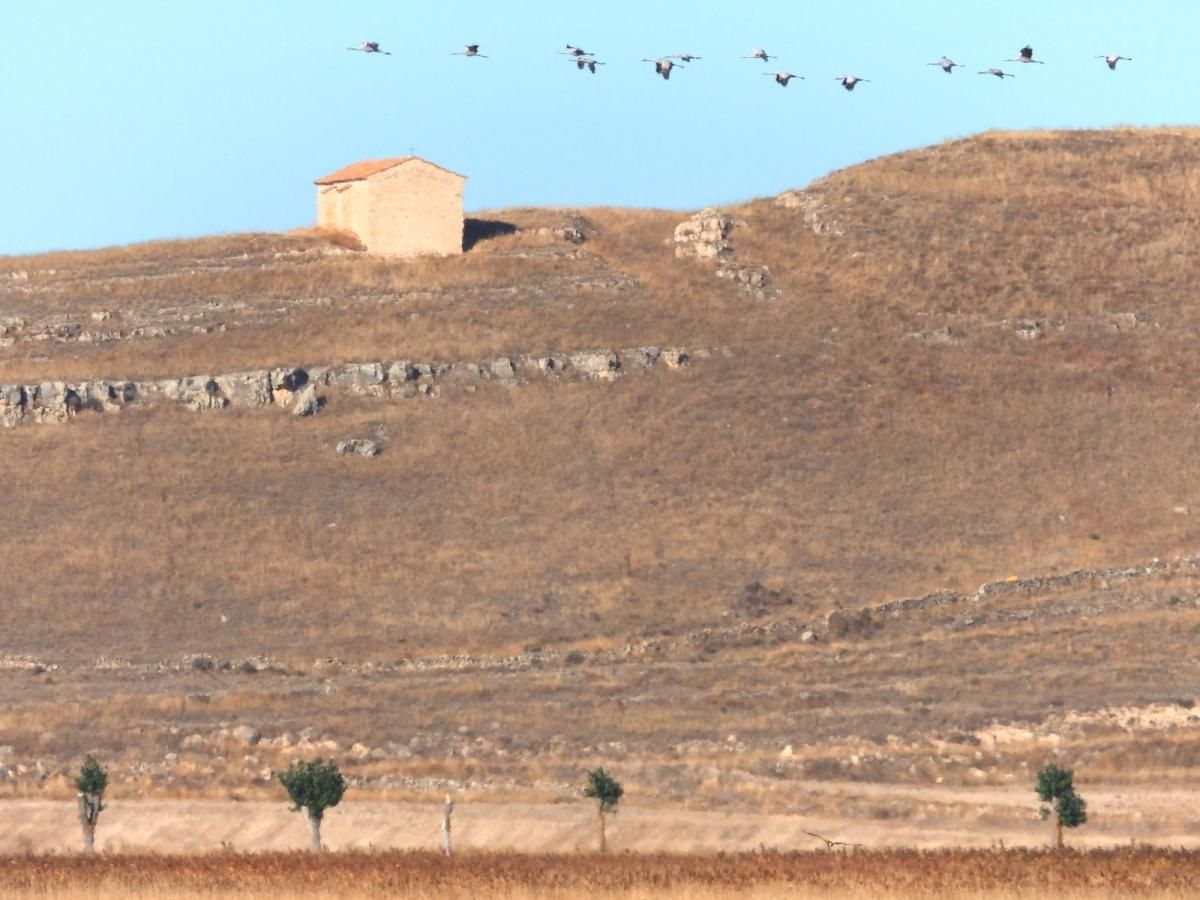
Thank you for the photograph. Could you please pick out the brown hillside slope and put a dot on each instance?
(979, 363)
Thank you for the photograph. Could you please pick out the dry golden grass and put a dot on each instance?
(1115, 873)
(832, 458)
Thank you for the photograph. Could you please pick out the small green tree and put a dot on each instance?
(314, 787)
(606, 791)
(1057, 787)
(91, 783)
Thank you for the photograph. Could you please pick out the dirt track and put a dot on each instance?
(923, 817)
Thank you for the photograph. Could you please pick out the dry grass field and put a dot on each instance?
(977, 361)
(1133, 872)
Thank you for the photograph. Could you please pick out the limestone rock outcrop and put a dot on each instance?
(304, 390)
(704, 236)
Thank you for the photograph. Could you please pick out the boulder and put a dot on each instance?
(359, 447)
(502, 368)
(361, 378)
(815, 211)
(286, 383)
(704, 235)
(198, 392)
(676, 358)
(791, 200)
(402, 372)
(306, 401)
(247, 735)
(12, 404)
(51, 402)
(640, 357)
(603, 364)
(246, 389)
(549, 365)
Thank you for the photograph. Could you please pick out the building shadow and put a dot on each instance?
(476, 230)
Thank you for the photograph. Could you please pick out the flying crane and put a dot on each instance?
(369, 47)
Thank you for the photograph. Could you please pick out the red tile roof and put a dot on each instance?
(361, 170)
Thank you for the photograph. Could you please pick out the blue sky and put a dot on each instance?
(141, 120)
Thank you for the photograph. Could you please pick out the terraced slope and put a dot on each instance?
(972, 361)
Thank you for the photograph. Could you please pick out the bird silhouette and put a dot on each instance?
(783, 78)
(369, 47)
(850, 82)
(1112, 59)
(472, 50)
(1025, 56)
(663, 66)
(946, 64)
(999, 73)
(830, 843)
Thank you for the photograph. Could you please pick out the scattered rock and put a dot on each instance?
(944, 336)
(503, 368)
(1030, 329)
(359, 446)
(247, 735)
(814, 209)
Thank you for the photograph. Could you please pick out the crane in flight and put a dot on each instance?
(663, 66)
(759, 53)
(471, 50)
(1025, 56)
(1112, 59)
(999, 73)
(946, 64)
(369, 47)
(577, 52)
(782, 78)
(685, 57)
(586, 62)
(850, 82)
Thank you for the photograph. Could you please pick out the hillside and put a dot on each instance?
(970, 361)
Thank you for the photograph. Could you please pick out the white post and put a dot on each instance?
(447, 811)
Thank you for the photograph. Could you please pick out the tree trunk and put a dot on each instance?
(314, 831)
(89, 813)
(603, 836)
(446, 811)
(1058, 833)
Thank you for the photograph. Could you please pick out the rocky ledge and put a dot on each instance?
(303, 390)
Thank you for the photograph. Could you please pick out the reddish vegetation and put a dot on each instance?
(1125, 873)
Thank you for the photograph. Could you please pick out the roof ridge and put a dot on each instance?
(360, 171)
